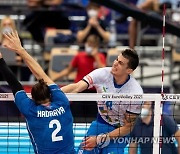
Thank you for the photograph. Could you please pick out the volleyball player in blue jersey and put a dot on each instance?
(48, 116)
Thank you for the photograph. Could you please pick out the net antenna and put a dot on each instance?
(157, 148)
(163, 50)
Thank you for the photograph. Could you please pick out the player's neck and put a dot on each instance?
(120, 80)
(46, 102)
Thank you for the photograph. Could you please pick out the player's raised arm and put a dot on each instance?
(13, 43)
(9, 76)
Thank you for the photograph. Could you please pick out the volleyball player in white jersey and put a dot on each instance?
(115, 118)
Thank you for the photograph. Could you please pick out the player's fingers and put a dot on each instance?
(84, 143)
(87, 146)
(85, 139)
(16, 34)
(10, 34)
(7, 36)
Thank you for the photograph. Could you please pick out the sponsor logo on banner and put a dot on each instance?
(171, 97)
(118, 96)
(3, 95)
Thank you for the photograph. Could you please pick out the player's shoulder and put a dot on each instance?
(104, 70)
(135, 85)
(100, 74)
(20, 94)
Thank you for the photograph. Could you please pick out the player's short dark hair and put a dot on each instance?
(40, 91)
(133, 58)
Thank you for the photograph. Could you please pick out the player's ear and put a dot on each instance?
(129, 70)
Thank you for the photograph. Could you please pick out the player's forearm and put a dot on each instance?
(129, 121)
(71, 88)
(75, 87)
(34, 66)
(10, 77)
(120, 132)
(113, 135)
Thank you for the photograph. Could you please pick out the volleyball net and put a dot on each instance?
(14, 138)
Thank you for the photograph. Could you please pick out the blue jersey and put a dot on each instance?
(50, 127)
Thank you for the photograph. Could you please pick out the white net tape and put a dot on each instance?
(157, 98)
(108, 97)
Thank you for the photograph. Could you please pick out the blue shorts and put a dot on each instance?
(114, 147)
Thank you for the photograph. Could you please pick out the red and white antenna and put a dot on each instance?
(163, 50)
(163, 61)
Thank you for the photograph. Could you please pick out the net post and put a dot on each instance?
(157, 119)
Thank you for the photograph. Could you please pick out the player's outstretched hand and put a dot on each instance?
(89, 143)
(12, 41)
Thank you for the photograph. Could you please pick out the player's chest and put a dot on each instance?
(111, 89)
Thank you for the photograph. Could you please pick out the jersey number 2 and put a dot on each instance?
(54, 133)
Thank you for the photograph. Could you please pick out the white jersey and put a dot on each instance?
(113, 112)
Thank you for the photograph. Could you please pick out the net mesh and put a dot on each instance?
(14, 138)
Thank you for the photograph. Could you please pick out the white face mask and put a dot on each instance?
(144, 113)
(88, 49)
(6, 30)
(92, 13)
